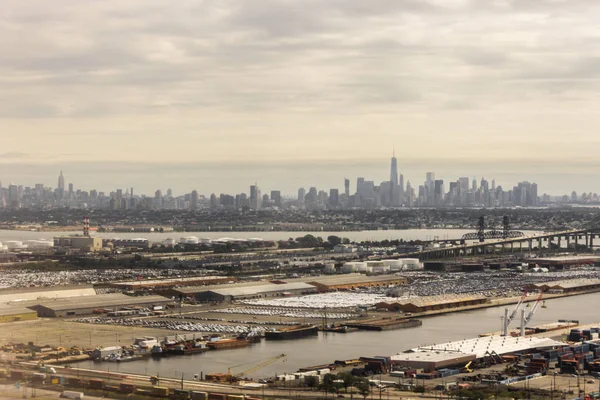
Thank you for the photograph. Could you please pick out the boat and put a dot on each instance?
(157, 351)
(227, 344)
(294, 332)
(188, 348)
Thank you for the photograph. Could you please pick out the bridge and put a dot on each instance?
(514, 242)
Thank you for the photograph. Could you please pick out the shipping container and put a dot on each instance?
(127, 388)
(38, 377)
(217, 396)
(199, 395)
(96, 384)
(160, 391)
(180, 394)
(17, 375)
(235, 397)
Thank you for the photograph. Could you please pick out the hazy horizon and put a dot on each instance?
(215, 95)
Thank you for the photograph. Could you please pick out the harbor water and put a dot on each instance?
(328, 347)
(406, 234)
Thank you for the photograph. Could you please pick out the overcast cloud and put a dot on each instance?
(218, 94)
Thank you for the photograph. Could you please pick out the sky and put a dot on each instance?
(216, 95)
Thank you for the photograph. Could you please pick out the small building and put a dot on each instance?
(431, 303)
(78, 243)
(253, 292)
(165, 285)
(99, 304)
(355, 281)
(12, 314)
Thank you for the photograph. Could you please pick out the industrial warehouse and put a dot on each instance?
(565, 287)
(171, 282)
(232, 293)
(355, 281)
(432, 303)
(454, 354)
(98, 304)
(13, 314)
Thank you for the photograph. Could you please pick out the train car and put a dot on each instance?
(17, 375)
(199, 395)
(127, 388)
(217, 396)
(96, 384)
(75, 382)
(180, 394)
(160, 391)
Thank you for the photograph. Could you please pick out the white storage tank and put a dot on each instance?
(189, 240)
(13, 244)
(412, 263)
(204, 241)
(361, 266)
(394, 265)
(349, 267)
(377, 267)
(169, 242)
(329, 269)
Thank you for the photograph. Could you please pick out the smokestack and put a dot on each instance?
(505, 331)
(86, 226)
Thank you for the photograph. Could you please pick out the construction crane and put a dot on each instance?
(254, 368)
(509, 319)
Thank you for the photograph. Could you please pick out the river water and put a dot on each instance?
(406, 234)
(328, 347)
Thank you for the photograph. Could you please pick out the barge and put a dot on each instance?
(294, 332)
(228, 344)
(384, 324)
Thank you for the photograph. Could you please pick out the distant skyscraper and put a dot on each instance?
(347, 187)
(276, 198)
(334, 198)
(394, 191)
(194, 200)
(61, 181)
(301, 195)
(255, 197)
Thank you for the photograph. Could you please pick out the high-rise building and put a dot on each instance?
(61, 181)
(194, 200)
(394, 191)
(301, 195)
(347, 187)
(276, 198)
(334, 198)
(255, 197)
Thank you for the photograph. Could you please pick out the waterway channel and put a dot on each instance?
(328, 347)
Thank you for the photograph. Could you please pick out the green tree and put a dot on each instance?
(334, 240)
(348, 379)
(311, 381)
(362, 385)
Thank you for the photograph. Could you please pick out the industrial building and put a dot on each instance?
(12, 314)
(565, 286)
(232, 293)
(355, 281)
(431, 303)
(98, 304)
(459, 353)
(37, 293)
(561, 262)
(77, 243)
(170, 283)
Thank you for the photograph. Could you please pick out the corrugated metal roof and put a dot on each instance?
(54, 293)
(500, 344)
(252, 290)
(15, 310)
(569, 283)
(432, 356)
(350, 279)
(437, 300)
(100, 301)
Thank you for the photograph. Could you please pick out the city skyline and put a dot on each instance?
(369, 194)
(263, 90)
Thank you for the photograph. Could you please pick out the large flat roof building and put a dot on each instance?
(233, 293)
(432, 303)
(354, 281)
(78, 243)
(89, 304)
(37, 293)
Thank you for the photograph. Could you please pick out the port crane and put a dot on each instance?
(508, 319)
(253, 368)
(525, 320)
